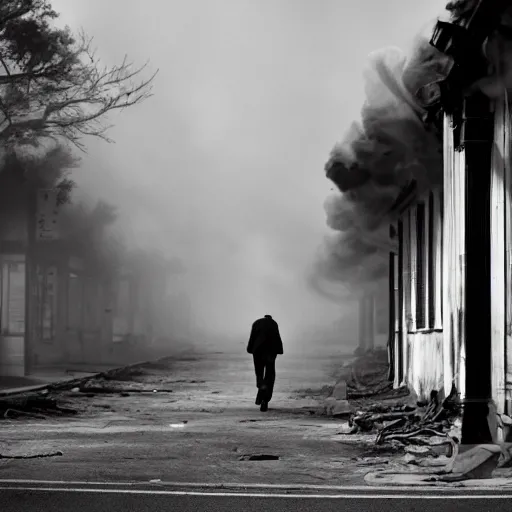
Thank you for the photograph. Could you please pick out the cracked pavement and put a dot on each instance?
(199, 432)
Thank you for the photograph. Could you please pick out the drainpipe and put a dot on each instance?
(477, 137)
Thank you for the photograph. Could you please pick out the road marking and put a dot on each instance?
(446, 487)
(155, 492)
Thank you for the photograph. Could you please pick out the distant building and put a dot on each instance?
(373, 315)
(59, 307)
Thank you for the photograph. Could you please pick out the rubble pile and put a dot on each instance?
(111, 386)
(36, 406)
(127, 380)
(369, 374)
(424, 425)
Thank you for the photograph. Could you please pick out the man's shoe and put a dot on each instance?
(258, 400)
(264, 406)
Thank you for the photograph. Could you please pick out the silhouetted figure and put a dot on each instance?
(265, 344)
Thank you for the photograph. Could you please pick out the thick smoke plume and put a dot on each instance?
(392, 146)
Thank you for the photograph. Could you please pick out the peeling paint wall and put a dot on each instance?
(434, 358)
(500, 257)
(425, 368)
(453, 260)
(421, 339)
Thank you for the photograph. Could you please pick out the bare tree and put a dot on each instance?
(51, 83)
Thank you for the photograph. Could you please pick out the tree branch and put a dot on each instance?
(69, 98)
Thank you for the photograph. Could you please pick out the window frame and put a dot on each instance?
(426, 250)
(10, 265)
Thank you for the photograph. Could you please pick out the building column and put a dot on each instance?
(499, 275)
(477, 138)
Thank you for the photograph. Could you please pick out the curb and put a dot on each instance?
(471, 485)
(64, 384)
(487, 484)
(426, 480)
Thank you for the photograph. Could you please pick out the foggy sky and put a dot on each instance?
(223, 167)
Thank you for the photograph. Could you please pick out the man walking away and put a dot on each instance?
(265, 344)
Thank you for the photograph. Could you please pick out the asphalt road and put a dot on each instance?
(174, 449)
(65, 498)
(203, 428)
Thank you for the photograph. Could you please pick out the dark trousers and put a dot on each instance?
(265, 369)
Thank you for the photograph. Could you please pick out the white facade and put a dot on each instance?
(501, 271)
(419, 337)
(429, 336)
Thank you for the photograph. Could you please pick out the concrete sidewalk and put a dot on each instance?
(55, 377)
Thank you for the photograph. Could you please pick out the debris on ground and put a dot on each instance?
(324, 391)
(371, 461)
(125, 375)
(362, 377)
(37, 406)
(37, 456)
(427, 429)
(429, 434)
(57, 399)
(367, 375)
(111, 385)
(337, 408)
(476, 463)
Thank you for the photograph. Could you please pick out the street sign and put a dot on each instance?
(47, 216)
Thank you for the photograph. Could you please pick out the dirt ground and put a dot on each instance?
(200, 429)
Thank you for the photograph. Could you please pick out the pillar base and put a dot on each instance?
(477, 424)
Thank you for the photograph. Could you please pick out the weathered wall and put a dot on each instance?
(425, 364)
(501, 245)
(419, 345)
(453, 261)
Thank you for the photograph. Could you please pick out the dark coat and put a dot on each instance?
(265, 337)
